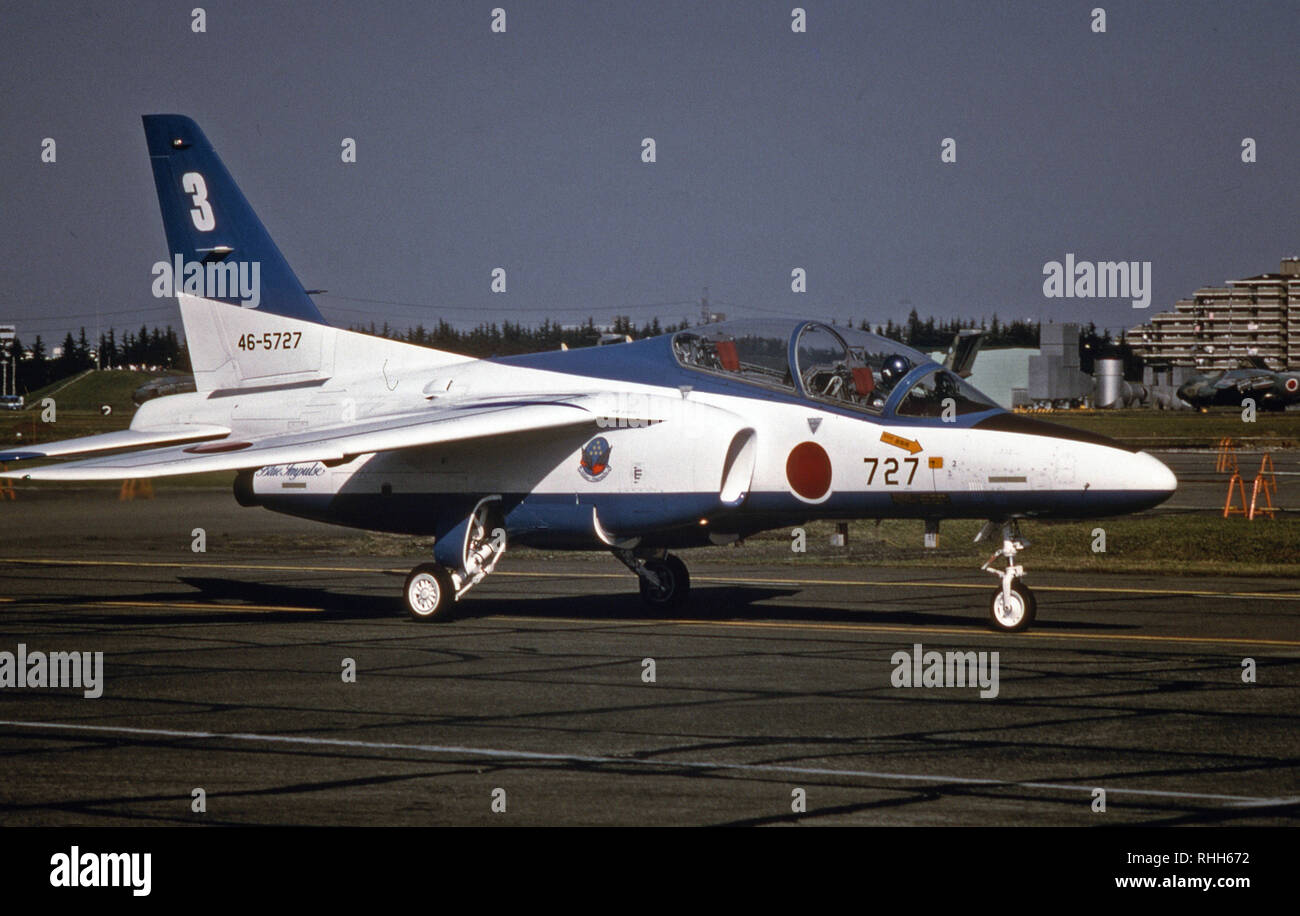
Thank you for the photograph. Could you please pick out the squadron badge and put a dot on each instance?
(595, 459)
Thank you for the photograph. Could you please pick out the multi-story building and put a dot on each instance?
(1221, 325)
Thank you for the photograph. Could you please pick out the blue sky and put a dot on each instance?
(775, 150)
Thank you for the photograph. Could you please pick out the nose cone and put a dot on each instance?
(1106, 477)
(1119, 481)
(1151, 476)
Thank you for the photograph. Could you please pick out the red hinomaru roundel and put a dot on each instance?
(809, 470)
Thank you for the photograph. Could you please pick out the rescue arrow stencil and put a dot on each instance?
(911, 446)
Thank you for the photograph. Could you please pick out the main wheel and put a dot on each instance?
(675, 583)
(1017, 614)
(429, 593)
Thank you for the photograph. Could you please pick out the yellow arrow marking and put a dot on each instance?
(911, 446)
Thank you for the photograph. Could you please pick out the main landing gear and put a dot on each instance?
(665, 583)
(432, 589)
(1013, 605)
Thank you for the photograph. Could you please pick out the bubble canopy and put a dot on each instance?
(839, 366)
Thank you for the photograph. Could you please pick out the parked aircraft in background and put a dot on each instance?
(690, 439)
(1253, 379)
(161, 387)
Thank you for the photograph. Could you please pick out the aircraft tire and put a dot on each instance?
(672, 571)
(429, 593)
(1021, 614)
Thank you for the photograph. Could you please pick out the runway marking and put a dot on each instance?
(1031, 635)
(585, 759)
(752, 624)
(1192, 593)
(38, 561)
(209, 606)
(743, 580)
(945, 631)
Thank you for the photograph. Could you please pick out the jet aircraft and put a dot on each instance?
(1252, 379)
(700, 437)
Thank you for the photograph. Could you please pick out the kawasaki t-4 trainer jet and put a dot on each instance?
(700, 437)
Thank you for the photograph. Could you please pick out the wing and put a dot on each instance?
(1257, 382)
(126, 438)
(431, 426)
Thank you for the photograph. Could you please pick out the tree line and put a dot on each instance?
(509, 338)
(163, 349)
(158, 348)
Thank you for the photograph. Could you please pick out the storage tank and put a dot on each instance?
(1110, 383)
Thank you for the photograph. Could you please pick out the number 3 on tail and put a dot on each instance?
(197, 188)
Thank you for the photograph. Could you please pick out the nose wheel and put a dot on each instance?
(1013, 606)
(1014, 611)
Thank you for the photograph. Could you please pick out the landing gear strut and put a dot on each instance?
(1013, 606)
(665, 583)
(432, 588)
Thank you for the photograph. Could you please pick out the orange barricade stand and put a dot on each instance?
(1227, 457)
(1266, 486)
(133, 488)
(6, 485)
(1228, 507)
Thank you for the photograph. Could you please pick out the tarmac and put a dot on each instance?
(770, 698)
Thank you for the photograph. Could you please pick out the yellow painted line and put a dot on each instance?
(741, 624)
(914, 630)
(198, 565)
(923, 583)
(954, 631)
(201, 606)
(742, 580)
(928, 583)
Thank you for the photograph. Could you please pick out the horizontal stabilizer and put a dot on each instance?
(126, 438)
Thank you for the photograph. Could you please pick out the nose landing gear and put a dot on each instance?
(1013, 606)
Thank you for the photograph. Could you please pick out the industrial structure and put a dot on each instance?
(1055, 379)
(1221, 325)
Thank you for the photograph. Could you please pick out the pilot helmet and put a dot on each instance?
(895, 368)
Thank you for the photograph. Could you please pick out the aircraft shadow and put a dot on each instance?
(706, 604)
(318, 603)
(727, 602)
